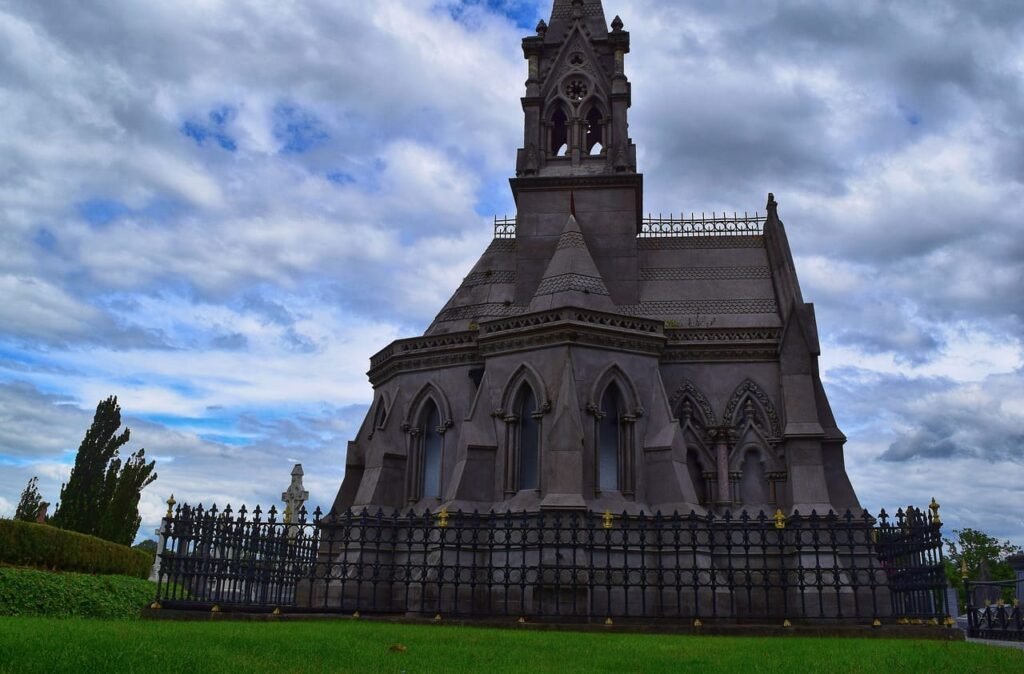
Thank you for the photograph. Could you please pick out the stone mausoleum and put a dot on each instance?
(594, 359)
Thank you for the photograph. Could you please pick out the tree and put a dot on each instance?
(973, 550)
(147, 545)
(28, 505)
(101, 497)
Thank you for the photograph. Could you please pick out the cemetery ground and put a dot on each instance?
(29, 644)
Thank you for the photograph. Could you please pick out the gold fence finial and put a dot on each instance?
(780, 519)
(442, 518)
(934, 507)
(607, 519)
(963, 567)
(170, 506)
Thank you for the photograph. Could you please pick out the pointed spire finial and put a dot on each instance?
(772, 205)
(542, 28)
(572, 204)
(617, 24)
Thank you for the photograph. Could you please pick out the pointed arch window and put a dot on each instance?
(559, 133)
(609, 440)
(528, 440)
(431, 446)
(523, 428)
(595, 132)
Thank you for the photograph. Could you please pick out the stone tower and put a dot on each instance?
(594, 359)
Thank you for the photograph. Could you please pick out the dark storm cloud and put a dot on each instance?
(933, 418)
(38, 425)
(957, 433)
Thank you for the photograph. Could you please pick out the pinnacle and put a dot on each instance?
(572, 277)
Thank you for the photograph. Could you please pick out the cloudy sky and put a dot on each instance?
(219, 209)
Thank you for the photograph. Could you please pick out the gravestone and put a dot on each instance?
(1016, 563)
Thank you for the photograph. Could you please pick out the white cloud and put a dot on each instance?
(213, 280)
(36, 309)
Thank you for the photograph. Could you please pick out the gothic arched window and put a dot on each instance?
(559, 133)
(595, 132)
(609, 439)
(431, 446)
(528, 449)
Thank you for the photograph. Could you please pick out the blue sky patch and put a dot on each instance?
(45, 239)
(102, 211)
(340, 178)
(213, 129)
(910, 116)
(524, 13)
(297, 129)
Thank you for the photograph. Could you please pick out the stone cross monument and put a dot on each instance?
(295, 495)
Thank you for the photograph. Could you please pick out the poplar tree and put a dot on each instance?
(101, 497)
(28, 504)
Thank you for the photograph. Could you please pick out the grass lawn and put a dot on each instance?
(76, 645)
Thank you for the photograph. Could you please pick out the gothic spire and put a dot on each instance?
(577, 95)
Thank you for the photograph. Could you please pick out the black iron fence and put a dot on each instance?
(993, 609)
(566, 565)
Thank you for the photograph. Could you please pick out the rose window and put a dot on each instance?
(576, 90)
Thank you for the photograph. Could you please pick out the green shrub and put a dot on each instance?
(43, 546)
(27, 592)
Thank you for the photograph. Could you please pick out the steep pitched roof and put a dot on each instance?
(572, 278)
(591, 15)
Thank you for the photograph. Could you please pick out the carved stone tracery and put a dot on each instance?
(750, 390)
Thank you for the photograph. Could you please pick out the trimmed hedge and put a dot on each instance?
(28, 592)
(46, 547)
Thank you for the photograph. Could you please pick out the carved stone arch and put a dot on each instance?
(752, 483)
(561, 66)
(555, 136)
(700, 404)
(429, 391)
(750, 440)
(594, 130)
(614, 373)
(592, 102)
(556, 103)
(737, 413)
(525, 373)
